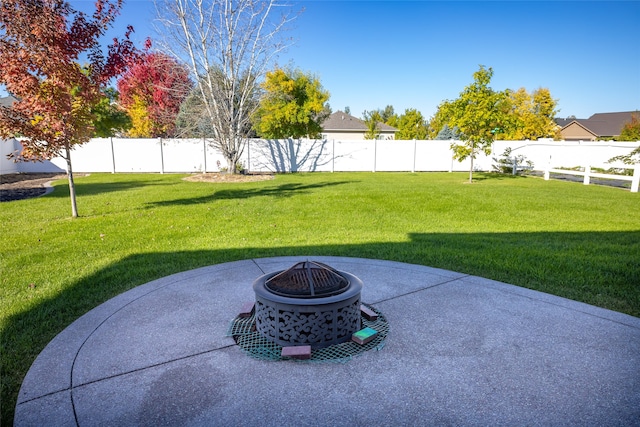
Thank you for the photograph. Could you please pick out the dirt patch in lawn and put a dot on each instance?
(18, 186)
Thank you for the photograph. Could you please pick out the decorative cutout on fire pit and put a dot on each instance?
(256, 345)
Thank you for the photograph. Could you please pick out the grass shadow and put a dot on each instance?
(278, 191)
(84, 188)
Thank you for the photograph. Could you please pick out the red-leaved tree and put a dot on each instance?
(152, 90)
(41, 44)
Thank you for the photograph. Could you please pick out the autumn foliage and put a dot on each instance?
(631, 130)
(40, 51)
(152, 91)
(41, 46)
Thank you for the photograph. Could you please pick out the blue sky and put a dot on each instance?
(415, 54)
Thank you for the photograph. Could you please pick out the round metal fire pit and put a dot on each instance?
(308, 304)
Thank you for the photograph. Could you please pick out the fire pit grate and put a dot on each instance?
(243, 331)
(308, 279)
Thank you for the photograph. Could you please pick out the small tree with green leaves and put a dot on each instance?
(478, 113)
(411, 125)
(109, 118)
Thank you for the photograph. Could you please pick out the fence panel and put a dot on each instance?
(353, 156)
(94, 156)
(394, 156)
(7, 147)
(137, 155)
(566, 154)
(183, 155)
(288, 155)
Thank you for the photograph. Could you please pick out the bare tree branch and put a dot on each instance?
(228, 45)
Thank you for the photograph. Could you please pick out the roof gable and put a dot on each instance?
(341, 121)
(580, 131)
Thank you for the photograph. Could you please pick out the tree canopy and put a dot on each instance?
(372, 120)
(109, 118)
(478, 113)
(531, 115)
(229, 45)
(42, 42)
(411, 125)
(294, 105)
(152, 90)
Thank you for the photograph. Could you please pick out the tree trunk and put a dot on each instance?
(72, 187)
(231, 166)
(471, 171)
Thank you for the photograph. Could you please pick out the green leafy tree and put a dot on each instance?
(631, 130)
(411, 125)
(531, 116)
(388, 115)
(478, 113)
(109, 118)
(372, 120)
(294, 106)
(440, 120)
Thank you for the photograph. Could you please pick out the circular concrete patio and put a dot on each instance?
(462, 350)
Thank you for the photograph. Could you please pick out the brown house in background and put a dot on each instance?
(600, 126)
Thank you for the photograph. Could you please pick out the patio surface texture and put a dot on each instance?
(461, 350)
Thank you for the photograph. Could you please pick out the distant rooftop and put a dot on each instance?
(6, 101)
(341, 121)
(602, 124)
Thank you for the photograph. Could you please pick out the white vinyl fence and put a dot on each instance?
(119, 155)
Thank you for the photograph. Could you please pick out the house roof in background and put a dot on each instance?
(7, 101)
(602, 124)
(609, 124)
(341, 121)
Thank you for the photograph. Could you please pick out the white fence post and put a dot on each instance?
(375, 153)
(113, 156)
(413, 170)
(547, 170)
(635, 182)
(204, 147)
(161, 157)
(333, 155)
(587, 177)
(248, 156)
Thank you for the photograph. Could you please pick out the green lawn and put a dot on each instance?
(579, 242)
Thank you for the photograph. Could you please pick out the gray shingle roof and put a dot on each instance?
(7, 101)
(341, 121)
(608, 124)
